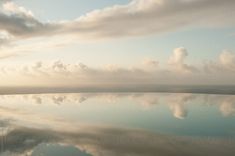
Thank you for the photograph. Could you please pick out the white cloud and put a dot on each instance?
(15, 9)
(178, 56)
(177, 61)
(227, 60)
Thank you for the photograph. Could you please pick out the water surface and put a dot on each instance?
(114, 124)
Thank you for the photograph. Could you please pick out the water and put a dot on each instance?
(117, 124)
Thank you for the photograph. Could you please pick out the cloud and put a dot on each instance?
(4, 38)
(147, 75)
(15, 9)
(17, 22)
(177, 61)
(150, 64)
(8, 55)
(139, 17)
(225, 63)
(227, 59)
(178, 56)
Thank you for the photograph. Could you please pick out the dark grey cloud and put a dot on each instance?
(21, 23)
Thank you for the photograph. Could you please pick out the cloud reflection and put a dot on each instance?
(31, 121)
(112, 141)
(177, 102)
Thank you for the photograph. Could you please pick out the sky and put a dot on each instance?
(112, 43)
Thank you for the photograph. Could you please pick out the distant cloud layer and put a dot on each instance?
(174, 71)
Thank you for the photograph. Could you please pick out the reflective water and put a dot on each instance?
(117, 124)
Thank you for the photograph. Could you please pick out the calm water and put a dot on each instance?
(120, 124)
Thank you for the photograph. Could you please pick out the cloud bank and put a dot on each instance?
(175, 71)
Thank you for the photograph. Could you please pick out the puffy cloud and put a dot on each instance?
(227, 59)
(225, 63)
(178, 56)
(177, 61)
(15, 9)
(4, 37)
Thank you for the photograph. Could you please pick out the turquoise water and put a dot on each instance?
(110, 124)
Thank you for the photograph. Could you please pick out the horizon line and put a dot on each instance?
(194, 89)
